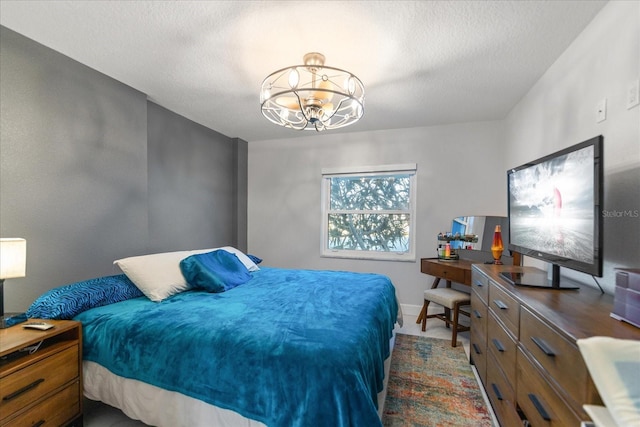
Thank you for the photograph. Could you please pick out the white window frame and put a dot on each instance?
(328, 173)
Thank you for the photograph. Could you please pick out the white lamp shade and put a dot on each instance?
(13, 257)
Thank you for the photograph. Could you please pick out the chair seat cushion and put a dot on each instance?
(446, 297)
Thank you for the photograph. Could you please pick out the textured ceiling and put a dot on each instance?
(422, 63)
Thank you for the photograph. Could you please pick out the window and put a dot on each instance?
(369, 212)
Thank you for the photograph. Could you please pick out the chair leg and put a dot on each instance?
(447, 314)
(423, 312)
(424, 318)
(454, 335)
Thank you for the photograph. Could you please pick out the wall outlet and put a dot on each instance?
(601, 110)
(633, 94)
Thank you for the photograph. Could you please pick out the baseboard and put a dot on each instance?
(411, 309)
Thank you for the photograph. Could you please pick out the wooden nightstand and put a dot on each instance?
(43, 386)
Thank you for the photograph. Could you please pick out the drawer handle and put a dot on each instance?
(477, 314)
(543, 346)
(478, 283)
(543, 413)
(498, 345)
(500, 304)
(476, 349)
(22, 390)
(496, 390)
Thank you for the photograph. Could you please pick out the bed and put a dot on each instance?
(284, 348)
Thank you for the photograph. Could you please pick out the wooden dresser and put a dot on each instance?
(523, 344)
(42, 386)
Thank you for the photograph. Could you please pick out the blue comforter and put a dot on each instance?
(287, 348)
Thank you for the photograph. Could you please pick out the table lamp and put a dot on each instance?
(13, 260)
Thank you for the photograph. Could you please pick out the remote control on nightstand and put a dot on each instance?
(43, 326)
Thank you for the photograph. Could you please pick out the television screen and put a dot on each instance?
(554, 208)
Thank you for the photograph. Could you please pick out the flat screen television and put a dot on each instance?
(554, 206)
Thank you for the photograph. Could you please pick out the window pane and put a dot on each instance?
(369, 232)
(386, 192)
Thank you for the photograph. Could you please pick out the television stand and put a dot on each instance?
(539, 279)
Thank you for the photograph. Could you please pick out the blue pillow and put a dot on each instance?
(255, 259)
(66, 302)
(216, 271)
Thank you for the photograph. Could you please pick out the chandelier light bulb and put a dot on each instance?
(294, 77)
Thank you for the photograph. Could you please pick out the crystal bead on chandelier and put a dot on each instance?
(312, 96)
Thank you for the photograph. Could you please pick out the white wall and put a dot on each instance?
(560, 110)
(457, 175)
(461, 167)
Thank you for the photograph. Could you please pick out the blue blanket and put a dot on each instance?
(287, 348)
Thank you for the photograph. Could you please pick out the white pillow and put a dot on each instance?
(158, 276)
(251, 266)
(614, 365)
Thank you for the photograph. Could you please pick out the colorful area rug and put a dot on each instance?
(432, 384)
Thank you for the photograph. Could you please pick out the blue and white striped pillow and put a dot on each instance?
(66, 302)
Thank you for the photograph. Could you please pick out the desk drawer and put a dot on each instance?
(448, 273)
(24, 386)
(506, 308)
(559, 357)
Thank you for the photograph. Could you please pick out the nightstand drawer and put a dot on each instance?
(58, 410)
(24, 386)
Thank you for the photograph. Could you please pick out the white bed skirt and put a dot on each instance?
(162, 408)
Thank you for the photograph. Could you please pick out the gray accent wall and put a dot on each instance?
(193, 183)
(91, 171)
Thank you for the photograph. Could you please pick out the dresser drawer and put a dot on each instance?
(478, 315)
(503, 348)
(57, 410)
(22, 387)
(480, 285)
(506, 308)
(559, 357)
(478, 354)
(502, 395)
(541, 405)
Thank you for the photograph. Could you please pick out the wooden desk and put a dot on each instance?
(452, 271)
(458, 271)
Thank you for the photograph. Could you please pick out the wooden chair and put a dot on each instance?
(450, 299)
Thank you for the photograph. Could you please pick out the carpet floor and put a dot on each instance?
(431, 384)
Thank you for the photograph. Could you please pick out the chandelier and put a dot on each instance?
(312, 96)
